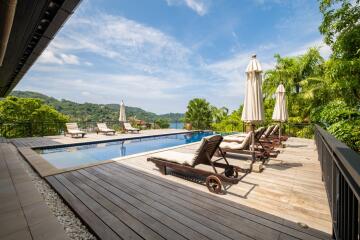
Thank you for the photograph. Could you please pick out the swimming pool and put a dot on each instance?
(72, 156)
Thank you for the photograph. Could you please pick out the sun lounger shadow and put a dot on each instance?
(244, 196)
(283, 166)
(296, 146)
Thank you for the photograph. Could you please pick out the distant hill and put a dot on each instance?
(95, 112)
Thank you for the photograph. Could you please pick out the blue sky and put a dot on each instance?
(159, 54)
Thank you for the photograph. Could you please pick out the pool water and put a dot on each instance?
(65, 157)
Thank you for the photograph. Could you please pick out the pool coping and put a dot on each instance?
(45, 169)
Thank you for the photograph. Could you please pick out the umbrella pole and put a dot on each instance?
(253, 142)
(280, 133)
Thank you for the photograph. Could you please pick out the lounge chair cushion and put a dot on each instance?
(176, 157)
(236, 145)
(73, 128)
(231, 145)
(128, 126)
(235, 138)
(103, 128)
(75, 131)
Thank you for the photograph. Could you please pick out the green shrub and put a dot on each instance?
(305, 132)
(162, 123)
(231, 123)
(334, 112)
(347, 131)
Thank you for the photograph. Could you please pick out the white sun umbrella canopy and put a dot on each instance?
(122, 115)
(280, 113)
(253, 111)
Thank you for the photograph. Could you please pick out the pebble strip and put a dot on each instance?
(72, 224)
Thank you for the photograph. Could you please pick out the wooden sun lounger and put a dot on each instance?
(273, 136)
(102, 128)
(186, 163)
(242, 146)
(73, 130)
(129, 128)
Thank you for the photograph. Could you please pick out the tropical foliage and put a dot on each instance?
(29, 117)
(341, 30)
(229, 123)
(162, 123)
(199, 113)
(321, 91)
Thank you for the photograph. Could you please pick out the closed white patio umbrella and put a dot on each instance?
(253, 111)
(280, 113)
(122, 115)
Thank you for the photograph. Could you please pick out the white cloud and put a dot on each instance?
(199, 6)
(50, 57)
(123, 41)
(69, 58)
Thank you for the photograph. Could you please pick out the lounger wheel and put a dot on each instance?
(213, 183)
(231, 172)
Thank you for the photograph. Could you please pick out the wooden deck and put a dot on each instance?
(118, 202)
(290, 187)
(130, 199)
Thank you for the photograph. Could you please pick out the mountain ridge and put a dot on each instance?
(95, 112)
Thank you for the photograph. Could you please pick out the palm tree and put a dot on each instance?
(219, 113)
(199, 113)
(301, 77)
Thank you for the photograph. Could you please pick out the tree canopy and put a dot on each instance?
(341, 30)
(29, 117)
(199, 113)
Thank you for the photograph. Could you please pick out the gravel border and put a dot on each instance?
(73, 226)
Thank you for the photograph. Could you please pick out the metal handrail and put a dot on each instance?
(341, 175)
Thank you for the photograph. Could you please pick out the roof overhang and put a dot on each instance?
(33, 26)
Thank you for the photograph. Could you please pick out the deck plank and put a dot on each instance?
(174, 199)
(120, 228)
(99, 228)
(147, 208)
(215, 228)
(179, 193)
(119, 201)
(143, 222)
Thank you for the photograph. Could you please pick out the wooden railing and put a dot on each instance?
(341, 175)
